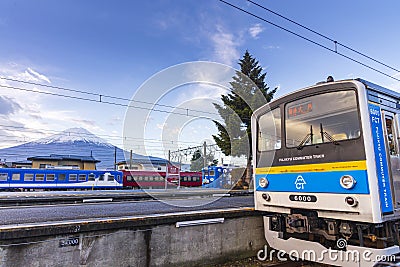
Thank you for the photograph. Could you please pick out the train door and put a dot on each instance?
(391, 123)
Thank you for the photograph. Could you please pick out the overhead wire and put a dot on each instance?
(309, 40)
(136, 144)
(187, 114)
(100, 96)
(73, 133)
(100, 100)
(323, 36)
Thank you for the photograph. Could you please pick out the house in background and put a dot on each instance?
(151, 164)
(64, 161)
(21, 164)
(134, 166)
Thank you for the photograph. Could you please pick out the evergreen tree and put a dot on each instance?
(249, 91)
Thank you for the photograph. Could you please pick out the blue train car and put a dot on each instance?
(59, 179)
(216, 177)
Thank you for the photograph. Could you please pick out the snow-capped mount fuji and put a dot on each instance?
(74, 135)
(73, 141)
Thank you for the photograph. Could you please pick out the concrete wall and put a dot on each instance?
(161, 245)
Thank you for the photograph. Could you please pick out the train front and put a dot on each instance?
(312, 149)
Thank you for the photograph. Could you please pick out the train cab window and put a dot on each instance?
(91, 177)
(16, 176)
(61, 177)
(390, 135)
(82, 178)
(318, 119)
(50, 177)
(28, 177)
(269, 131)
(3, 177)
(72, 177)
(101, 178)
(39, 177)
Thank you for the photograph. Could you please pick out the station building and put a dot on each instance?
(64, 161)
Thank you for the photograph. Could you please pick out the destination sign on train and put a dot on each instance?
(300, 109)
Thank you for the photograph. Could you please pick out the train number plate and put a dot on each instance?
(69, 242)
(303, 198)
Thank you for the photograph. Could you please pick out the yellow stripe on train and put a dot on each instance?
(320, 167)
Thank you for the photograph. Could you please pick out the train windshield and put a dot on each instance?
(323, 118)
(269, 131)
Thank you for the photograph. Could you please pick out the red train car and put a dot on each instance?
(191, 179)
(156, 179)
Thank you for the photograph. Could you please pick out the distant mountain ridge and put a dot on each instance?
(73, 141)
(74, 135)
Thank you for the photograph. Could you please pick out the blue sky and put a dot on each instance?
(112, 47)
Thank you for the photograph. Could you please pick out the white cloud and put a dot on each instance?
(8, 105)
(255, 30)
(161, 126)
(225, 46)
(30, 110)
(271, 47)
(200, 92)
(38, 114)
(31, 75)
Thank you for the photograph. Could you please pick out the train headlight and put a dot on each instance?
(263, 182)
(347, 182)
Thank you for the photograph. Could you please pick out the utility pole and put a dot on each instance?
(115, 158)
(178, 155)
(204, 154)
(130, 161)
(167, 169)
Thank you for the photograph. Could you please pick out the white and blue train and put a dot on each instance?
(217, 177)
(58, 179)
(327, 172)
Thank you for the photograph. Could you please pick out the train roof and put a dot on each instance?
(369, 85)
(379, 89)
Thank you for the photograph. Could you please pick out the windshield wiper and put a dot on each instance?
(308, 137)
(327, 136)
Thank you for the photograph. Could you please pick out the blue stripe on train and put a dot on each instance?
(314, 182)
